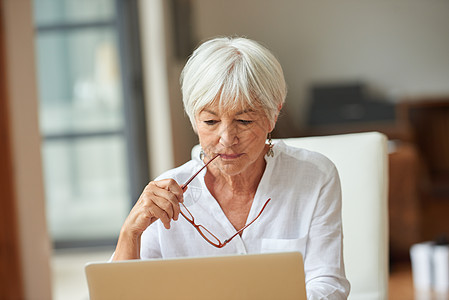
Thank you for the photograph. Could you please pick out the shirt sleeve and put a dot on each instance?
(323, 262)
(149, 242)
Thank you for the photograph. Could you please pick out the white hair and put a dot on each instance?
(235, 72)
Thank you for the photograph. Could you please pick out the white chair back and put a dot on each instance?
(362, 163)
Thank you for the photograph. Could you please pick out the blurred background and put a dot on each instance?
(92, 111)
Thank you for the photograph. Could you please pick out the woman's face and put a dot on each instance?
(238, 136)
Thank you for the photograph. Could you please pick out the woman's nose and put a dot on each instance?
(228, 136)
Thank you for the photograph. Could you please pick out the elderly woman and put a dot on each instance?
(285, 199)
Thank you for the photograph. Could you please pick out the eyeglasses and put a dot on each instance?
(203, 231)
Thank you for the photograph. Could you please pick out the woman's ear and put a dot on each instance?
(194, 123)
(279, 109)
(275, 118)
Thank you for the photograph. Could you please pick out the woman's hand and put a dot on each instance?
(159, 200)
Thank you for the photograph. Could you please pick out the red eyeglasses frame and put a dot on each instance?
(216, 243)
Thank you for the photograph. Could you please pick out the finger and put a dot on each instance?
(169, 191)
(163, 204)
(180, 199)
(161, 214)
(172, 186)
(170, 197)
(176, 210)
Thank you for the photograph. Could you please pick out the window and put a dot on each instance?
(91, 116)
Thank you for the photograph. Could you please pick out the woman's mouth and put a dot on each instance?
(230, 156)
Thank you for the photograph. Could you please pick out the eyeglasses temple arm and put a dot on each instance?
(194, 175)
(246, 226)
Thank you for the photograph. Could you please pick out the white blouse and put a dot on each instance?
(304, 215)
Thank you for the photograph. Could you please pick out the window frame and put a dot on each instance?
(126, 26)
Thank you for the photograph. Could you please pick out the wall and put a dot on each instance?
(20, 83)
(401, 47)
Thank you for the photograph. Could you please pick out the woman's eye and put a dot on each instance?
(210, 122)
(245, 122)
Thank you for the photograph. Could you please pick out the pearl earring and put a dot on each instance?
(270, 151)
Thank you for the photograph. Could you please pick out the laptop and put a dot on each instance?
(252, 276)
